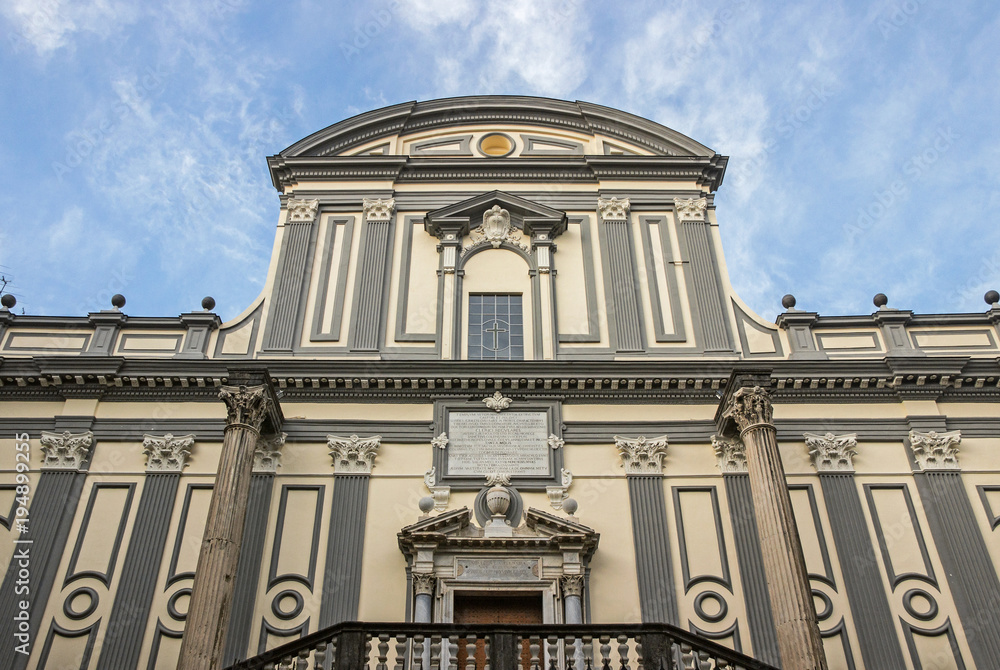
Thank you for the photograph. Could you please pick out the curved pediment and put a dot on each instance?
(496, 126)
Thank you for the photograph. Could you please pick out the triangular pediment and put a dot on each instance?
(527, 215)
(544, 523)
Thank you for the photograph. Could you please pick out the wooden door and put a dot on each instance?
(484, 608)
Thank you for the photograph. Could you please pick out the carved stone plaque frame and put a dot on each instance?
(539, 419)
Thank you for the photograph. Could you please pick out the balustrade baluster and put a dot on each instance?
(569, 649)
(639, 660)
(623, 651)
(319, 657)
(535, 650)
(553, 652)
(605, 652)
(418, 652)
(470, 652)
(704, 661)
(687, 656)
(400, 652)
(383, 651)
(588, 652)
(453, 652)
(435, 652)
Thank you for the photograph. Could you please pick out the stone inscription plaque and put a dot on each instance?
(497, 570)
(511, 443)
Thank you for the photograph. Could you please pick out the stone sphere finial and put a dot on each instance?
(8, 301)
(991, 297)
(117, 301)
(208, 303)
(426, 504)
(788, 301)
(880, 300)
(570, 505)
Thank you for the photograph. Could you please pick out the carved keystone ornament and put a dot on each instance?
(497, 402)
(495, 230)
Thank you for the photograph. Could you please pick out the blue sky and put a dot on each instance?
(863, 136)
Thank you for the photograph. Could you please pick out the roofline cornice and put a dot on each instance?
(411, 117)
(706, 171)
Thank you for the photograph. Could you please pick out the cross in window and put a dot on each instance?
(496, 330)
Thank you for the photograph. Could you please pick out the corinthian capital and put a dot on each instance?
(66, 451)
(832, 453)
(246, 405)
(423, 584)
(642, 456)
(613, 209)
(377, 209)
(267, 454)
(353, 455)
(749, 407)
(300, 210)
(690, 209)
(732, 454)
(168, 453)
(936, 451)
(572, 585)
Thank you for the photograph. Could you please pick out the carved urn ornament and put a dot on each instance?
(498, 497)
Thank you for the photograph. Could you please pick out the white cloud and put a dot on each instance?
(538, 48)
(49, 25)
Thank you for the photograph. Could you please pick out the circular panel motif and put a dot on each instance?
(177, 606)
(920, 604)
(711, 606)
(496, 145)
(72, 607)
(287, 604)
(820, 598)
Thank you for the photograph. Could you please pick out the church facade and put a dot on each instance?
(498, 375)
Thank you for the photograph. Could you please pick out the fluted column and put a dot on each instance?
(799, 640)
(214, 582)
